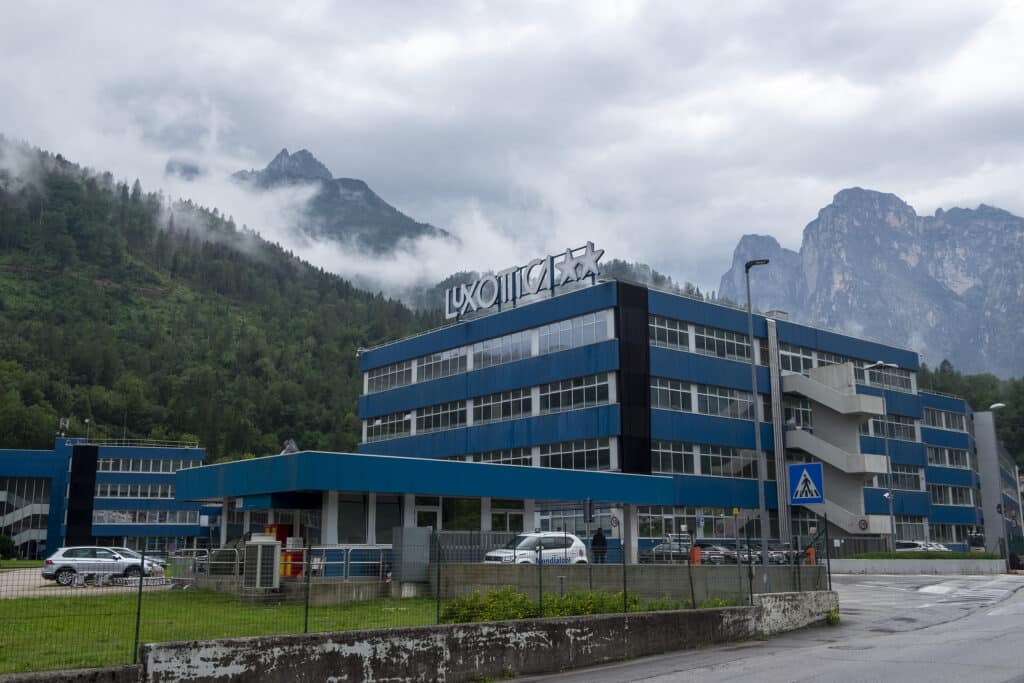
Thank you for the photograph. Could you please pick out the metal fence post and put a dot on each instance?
(750, 570)
(693, 592)
(625, 583)
(540, 576)
(797, 553)
(138, 602)
(308, 569)
(437, 552)
(828, 551)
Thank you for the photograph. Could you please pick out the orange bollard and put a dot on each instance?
(811, 556)
(694, 555)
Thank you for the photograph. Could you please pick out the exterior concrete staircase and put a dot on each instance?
(845, 402)
(852, 463)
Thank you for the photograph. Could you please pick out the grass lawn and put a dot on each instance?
(69, 632)
(20, 564)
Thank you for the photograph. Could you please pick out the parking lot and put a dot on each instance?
(28, 583)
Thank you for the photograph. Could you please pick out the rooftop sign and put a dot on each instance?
(538, 276)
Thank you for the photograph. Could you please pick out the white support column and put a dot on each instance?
(411, 416)
(246, 522)
(485, 514)
(530, 521)
(613, 389)
(271, 517)
(534, 342)
(371, 518)
(613, 453)
(630, 533)
(535, 456)
(329, 518)
(469, 412)
(408, 510)
(535, 401)
(225, 506)
(692, 339)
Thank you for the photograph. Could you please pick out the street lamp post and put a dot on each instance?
(762, 465)
(890, 494)
(1000, 508)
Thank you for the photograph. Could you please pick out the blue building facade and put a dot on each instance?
(84, 492)
(638, 400)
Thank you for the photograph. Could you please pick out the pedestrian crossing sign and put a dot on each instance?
(805, 484)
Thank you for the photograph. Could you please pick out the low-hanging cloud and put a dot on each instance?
(661, 131)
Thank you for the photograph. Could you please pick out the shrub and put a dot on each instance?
(507, 603)
(497, 605)
(833, 618)
(7, 548)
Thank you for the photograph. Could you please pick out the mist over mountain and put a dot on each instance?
(344, 210)
(950, 286)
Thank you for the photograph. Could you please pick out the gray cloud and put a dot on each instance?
(661, 130)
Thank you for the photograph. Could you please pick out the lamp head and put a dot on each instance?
(997, 406)
(756, 262)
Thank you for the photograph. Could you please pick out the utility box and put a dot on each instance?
(262, 570)
(410, 551)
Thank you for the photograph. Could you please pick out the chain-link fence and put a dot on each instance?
(94, 606)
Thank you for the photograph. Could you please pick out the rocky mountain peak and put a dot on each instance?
(299, 166)
(947, 285)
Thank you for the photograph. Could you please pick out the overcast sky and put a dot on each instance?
(662, 131)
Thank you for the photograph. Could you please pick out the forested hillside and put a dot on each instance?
(166, 320)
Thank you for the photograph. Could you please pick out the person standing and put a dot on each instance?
(599, 544)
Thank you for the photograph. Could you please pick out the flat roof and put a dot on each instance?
(325, 471)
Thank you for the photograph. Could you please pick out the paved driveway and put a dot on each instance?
(28, 583)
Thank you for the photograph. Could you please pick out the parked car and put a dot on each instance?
(666, 552)
(937, 547)
(911, 546)
(65, 564)
(128, 552)
(556, 548)
(711, 553)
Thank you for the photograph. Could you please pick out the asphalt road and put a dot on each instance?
(894, 628)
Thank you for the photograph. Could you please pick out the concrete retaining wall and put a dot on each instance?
(107, 674)
(650, 581)
(474, 651)
(911, 566)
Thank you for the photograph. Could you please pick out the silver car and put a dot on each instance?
(67, 563)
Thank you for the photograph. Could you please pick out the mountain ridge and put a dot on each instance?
(869, 265)
(343, 210)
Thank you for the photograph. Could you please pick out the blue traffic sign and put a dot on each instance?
(805, 484)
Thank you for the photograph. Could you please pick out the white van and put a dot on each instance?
(556, 548)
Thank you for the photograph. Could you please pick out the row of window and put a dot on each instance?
(582, 330)
(904, 478)
(145, 517)
(950, 495)
(943, 419)
(135, 490)
(948, 457)
(709, 341)
(144, 464)
(671, 394)
(890, 427)
(676, 457)
(801, 359)
(554, 397)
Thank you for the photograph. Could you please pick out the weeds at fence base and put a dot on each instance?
(833, 618)
(507, 603)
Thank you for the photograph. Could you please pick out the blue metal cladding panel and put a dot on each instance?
(896, 402)
(953, 405)
(586, 360)
(589, 423)
(946, 438)
(914, 503)
(710, 370)
(724, 492)
(148, 530)
(953, 514)
(670, 425)
(791, 333)
(901, 452)
(702, 313)
(314, 471)
(950, 476)
(533, 315)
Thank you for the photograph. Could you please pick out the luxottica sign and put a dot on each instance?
(538, 276)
